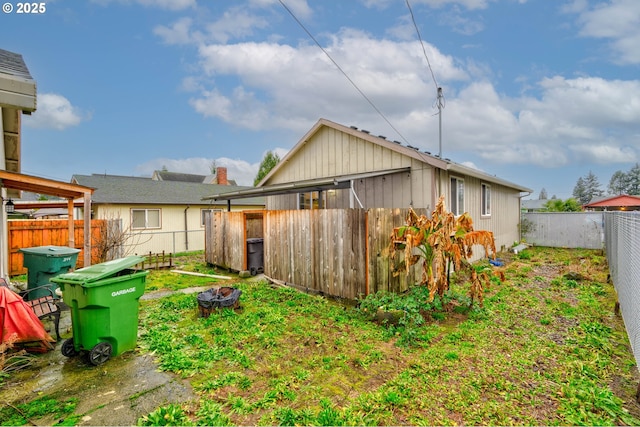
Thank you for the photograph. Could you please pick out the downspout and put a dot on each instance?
(186, 230)
(354, 195)
(520, 212)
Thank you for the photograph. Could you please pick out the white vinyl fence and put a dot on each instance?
(622, 231)
(564, 229)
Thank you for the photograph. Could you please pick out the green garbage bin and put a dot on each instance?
(45, 262)
(103, 299)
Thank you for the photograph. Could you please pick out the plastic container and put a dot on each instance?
(45, 262)
(255, 255)
(103, 299)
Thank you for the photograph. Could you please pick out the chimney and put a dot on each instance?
(221, 176)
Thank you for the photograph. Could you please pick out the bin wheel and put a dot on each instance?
(100, 353)
(68, 349)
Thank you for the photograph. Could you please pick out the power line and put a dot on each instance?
(424, 51)
(440, 96)
(342, 71)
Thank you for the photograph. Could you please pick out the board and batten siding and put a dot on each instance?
(505, 210)
(331, 152)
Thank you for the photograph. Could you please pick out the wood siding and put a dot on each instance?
(331, 152)
(33, 233)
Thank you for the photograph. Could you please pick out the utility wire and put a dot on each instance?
(342, 71)
(424, 51)
(439, 102)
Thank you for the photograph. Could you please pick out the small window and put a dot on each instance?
(203, 213)
(310, 200)
(457, 196)
(145, 218)
(486, 200)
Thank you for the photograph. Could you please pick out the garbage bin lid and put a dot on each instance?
(97, 272)
(50, 251)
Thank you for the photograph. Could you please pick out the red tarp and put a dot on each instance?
(18, 320)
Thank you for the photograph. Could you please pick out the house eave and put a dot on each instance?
(318, 184)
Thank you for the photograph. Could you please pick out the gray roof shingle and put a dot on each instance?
(116, 189)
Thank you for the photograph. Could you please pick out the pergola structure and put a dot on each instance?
(21, 182)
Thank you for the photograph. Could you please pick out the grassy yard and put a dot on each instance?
(545, 349)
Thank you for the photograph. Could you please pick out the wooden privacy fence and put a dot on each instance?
(32, 233)
(338, 252)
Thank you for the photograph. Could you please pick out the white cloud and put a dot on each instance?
(235, 23)
(54, 112)
(617, 21)
(277, 82)
(242, 172)
(177, 33)
(162, 4)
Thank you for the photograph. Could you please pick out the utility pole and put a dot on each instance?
(440, 101)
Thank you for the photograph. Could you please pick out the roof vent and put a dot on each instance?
(365, 131)
(354, 127)
(397, 142)
(412, 147)
(427, 152)
(382, 136)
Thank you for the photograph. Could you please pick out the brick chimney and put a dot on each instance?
(221, 176)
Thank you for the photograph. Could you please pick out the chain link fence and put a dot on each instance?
(622, 244)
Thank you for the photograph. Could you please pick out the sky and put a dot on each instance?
(536, 92)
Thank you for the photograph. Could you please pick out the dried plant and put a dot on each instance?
(443, 242)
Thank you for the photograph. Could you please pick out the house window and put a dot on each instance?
(310, 200)
(457, 196)
(203, 213)
(145, 218)
(486, 200)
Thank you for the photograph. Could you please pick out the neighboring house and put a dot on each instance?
(220, 177)
(335, 166)
(622, 202)
(537, 205)
(160, 215)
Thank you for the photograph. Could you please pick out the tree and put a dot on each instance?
(580, 191)
(269, 161)
(587, 188)
(213, 167)
(618, 183)
(633, 180)
(542, 195)
(558, 205)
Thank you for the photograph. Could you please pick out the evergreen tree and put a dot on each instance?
(587, 189)
(633, 180)
(542, 195)
(269, 161)
(580, 191)
(618, 183)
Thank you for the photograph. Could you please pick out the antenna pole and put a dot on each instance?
(440, 105)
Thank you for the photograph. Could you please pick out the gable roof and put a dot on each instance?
(615, 201)
(115, 189)
(413, 152)
(17, 87)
